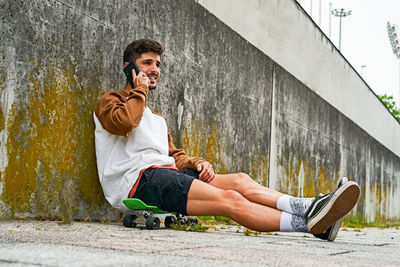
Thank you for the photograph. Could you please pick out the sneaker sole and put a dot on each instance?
(336, 226)
(343, 201)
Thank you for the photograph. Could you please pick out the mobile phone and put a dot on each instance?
(128, 72)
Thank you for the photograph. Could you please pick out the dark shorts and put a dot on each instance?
(166, 188)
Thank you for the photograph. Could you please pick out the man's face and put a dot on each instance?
(149, 63)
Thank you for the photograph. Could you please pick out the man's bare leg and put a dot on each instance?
(247, 187)
(294, 209)
(205, 199)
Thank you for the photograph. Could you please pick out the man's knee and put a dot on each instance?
(240, 180)
(233, 200)
(231, 195)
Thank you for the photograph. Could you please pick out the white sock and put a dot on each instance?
(294, 205)
(292, 223)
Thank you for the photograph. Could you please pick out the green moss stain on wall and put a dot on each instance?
(314, 180)
(192, 142)
(214, 150)
(310, 189)
(207, 143)
(378, 206)
(203, 143)
(259, 168)
(50, 146)
(325, 182)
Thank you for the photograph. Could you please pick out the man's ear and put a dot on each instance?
(126, 64)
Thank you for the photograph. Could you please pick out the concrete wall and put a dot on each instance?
(284, 32)
(367, 151)
(223, 98)
(313, 144)
(58, 57)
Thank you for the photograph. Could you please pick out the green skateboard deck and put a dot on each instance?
(137, 204)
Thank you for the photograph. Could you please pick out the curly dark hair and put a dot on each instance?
(138, 47)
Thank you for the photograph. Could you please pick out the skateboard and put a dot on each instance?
(143, 214)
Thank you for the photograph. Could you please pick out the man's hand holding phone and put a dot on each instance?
(135, 76)
(140, 79)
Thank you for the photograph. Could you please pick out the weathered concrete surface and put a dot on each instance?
(224, 100)
(60, 56)
(285, 32)
(87, 244)
(313, 145)
(53, 67)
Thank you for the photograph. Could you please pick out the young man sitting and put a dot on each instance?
(136, 158)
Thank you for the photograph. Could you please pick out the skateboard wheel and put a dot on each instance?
(169, 220)
(152, 223)
(192, 221)
(129, 220)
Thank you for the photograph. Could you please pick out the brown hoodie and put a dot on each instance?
(121, 112)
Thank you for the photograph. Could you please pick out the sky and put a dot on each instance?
(365, 40)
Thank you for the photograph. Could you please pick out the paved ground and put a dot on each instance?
(33, 243)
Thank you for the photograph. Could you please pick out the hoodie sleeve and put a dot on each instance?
(120, 114)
